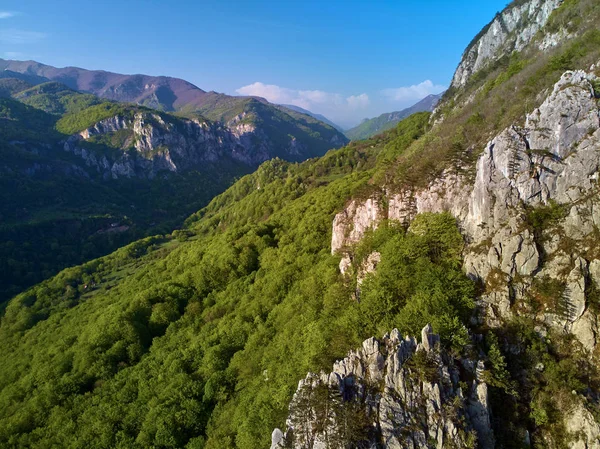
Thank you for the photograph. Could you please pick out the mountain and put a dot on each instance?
(441, 277)
(370, 127)
(73, 164)
(169, 95)
(320, 117)
(158, 92)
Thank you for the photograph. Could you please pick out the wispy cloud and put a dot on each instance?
(412, 93)
(7, 14)
(13, 54)
(332, 105)
(17, 36)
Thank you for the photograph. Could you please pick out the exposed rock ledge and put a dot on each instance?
(162, 143)
(553, 159)
(392, 393)
(511, 30)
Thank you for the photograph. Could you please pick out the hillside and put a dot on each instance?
(442, 277)
(74, 164)
(370, 127)
(319, 117)
(157, 92)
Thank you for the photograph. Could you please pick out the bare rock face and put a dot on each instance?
(580, 422)
(552, 161)
(395, 392)
(511, 30)
(164, 143)
(350, 225)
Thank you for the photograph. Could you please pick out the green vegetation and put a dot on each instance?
(198, 339)
(78, 121)
(19, 122)
(64, 209)
(371, 127)
(57, 212)
(56, 98)
(418, 281)
(549, 375)
(166, 344)
(10, 86)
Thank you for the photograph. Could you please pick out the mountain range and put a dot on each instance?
(370, 127)
(84, 150)
(320, 117)
(435, 286)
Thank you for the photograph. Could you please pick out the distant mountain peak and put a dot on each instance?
(313, 114)
(376, 125)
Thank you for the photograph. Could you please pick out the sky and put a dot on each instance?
(347, 60)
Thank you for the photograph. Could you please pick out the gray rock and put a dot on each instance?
(580, 423)
(511, 30)
(375, 393)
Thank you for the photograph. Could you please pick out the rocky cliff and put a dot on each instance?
(511, 30)
(392, 393)
(529, 217)
(552, 162)
(149, 142)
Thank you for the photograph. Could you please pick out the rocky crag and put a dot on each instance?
(150, 142)
(511, 30)
(395, 392)
(551, 164)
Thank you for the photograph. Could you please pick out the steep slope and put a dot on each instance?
(85, 164)
(171, 94)
(480, 222)
(511, 30)
(320, 117)
(389, 120)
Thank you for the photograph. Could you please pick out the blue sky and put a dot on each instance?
(345, 59)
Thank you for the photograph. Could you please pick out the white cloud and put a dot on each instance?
(7, 14)
(16, 36)
(13, 54)
(333, 105)
(358, 101)
(412, 93)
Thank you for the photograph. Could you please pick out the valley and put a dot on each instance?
(258, 280)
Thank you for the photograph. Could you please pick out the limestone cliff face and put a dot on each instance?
(149, 143)
(552, 162)
(511, 30)
(392, 393)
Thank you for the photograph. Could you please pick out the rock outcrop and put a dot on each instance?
(393, 393)
(531, 221)
(165, 143)
(511, 30)
(553, 161)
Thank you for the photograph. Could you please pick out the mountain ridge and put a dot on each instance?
(320, 117)
(473, 226)
(370, 127)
